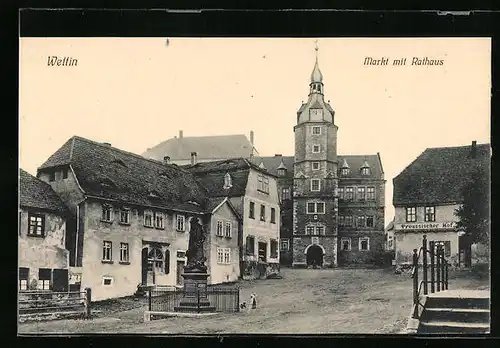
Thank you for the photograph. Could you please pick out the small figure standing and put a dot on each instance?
(253, 300)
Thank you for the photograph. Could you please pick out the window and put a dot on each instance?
(315, 184)
(341, 192)
(251, 213)
(320, 230)
(430, 214)
(227, 256)
(370, 193)
(446, 245)
(348, 221)
(220, 231)
(281, 172)
(262, 212)
(44, 278)
(180, 223)
(411, 214)
(285, 193)
(107, 251)
(285, 245)
(315, 208)
(262, 251)
(345, 244)
(370, 221)
(158, 220)
(36, 225)
(274, 249)
(263, 184)
(107, 213)
(155, 257)
(315, 166)
(344, 171)
(364, 244)
(316, 130)
(65, 173)
(124, 252)
(148, 218)
(125, 216)
(23, 278)
(361, 221)
(250, 245)
(349, 193)
(107, 280)
(227, 229)
(309, 230)
(361, 193)
(273, 215)
(224, 256)
(220, 255)
(316, 148)
(365, 171)
(52, 176)
(341, 220)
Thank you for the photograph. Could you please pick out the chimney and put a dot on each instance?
(473, 149)
(278, 155)
(251, 137)
(181, 134)
(166, 160)
(107, 144)
(193, 158)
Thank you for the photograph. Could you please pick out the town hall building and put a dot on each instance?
(332, 205)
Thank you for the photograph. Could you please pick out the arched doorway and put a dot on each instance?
(314, 255)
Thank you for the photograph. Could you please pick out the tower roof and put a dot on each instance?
(316, 75)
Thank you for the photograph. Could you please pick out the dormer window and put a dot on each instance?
(365, 168)
(345, 171)
(281, 172)
(227, 181)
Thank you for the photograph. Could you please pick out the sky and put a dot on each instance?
(137, 92)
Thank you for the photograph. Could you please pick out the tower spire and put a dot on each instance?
(316, 76)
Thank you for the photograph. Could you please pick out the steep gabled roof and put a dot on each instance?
(110, 173)
(35, 193)
(439, 174)
(273, 162)
(356, 162)
(209, 147)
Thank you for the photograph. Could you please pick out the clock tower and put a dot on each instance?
(315, 204)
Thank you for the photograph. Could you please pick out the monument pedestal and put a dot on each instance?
(195, 299)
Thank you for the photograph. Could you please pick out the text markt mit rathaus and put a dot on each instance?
(402, 61)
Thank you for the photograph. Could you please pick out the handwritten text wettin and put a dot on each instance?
(61, 61)
(402, 61)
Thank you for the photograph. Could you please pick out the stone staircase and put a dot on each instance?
(456, 312)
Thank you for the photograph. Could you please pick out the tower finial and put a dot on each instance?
(316, 48)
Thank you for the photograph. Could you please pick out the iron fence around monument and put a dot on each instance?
(224, 299)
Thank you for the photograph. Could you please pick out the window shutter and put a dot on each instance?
(60, 280)
(44, 274)
(167, 261)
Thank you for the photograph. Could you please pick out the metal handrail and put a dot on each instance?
(438, 266)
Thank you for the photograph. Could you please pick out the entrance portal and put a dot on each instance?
(315, 256)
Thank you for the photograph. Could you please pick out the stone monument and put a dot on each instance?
(195, 274)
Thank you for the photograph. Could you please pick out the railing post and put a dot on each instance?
(149, 299)
(237, 299)
(424, 263)
(415, 283)
(198, 298)
(443, 266)
(88, 301)
(432, 250)
(438, 268)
